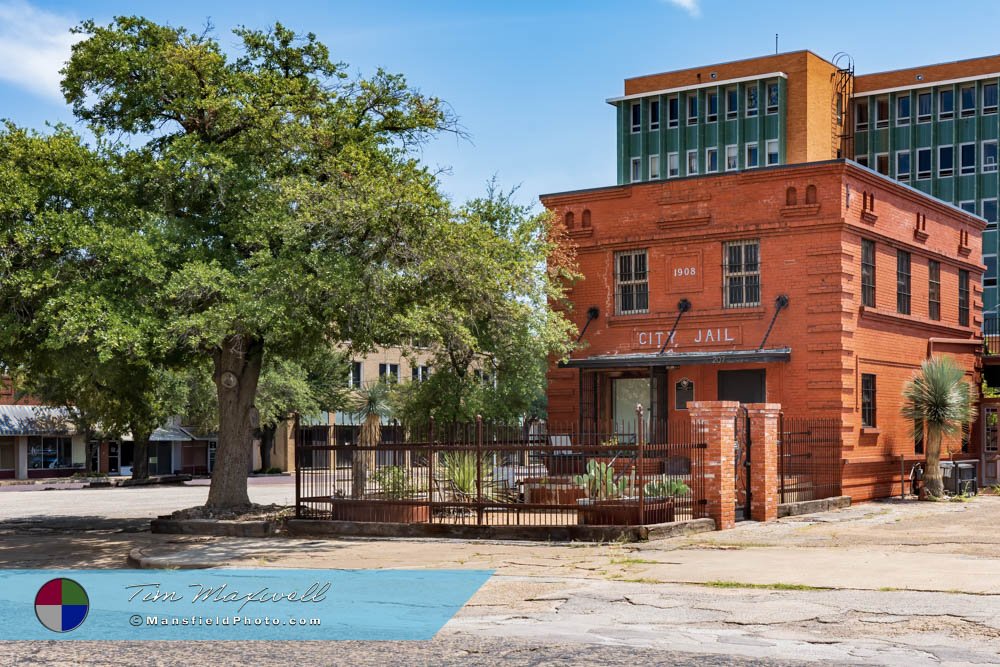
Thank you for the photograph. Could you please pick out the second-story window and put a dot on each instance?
(990, 98)
(903, 109)
(967, 159)
(946, 104)
(711, 106)
(902, 282)
(772, 98)
(934, 289)
(741, 273)
(861, 116)
(636, 117)
(673, 111)
(963, 298)
(923, 107)
(751, 100)
(631, 282)
(654, 115)
(692, 116)
(732, 103)
(867, 273)
(968, 98)
(882, 112)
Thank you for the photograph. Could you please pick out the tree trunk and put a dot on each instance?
(237, 370)
(140, 463)
(932, 468)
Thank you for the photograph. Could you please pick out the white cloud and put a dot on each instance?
(34, 45)
(690, 6)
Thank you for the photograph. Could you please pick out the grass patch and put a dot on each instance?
(777, 586)
(633, 561)
(642, 580)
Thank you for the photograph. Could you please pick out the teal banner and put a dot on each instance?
(223, 605)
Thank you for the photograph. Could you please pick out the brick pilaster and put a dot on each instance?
(764, 460)
(714, 423)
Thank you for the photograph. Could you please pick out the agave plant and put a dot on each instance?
(462, 467)
(371, 405)
(939, 397)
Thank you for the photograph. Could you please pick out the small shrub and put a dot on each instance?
(393, 482)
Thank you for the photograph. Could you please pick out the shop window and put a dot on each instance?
(48, 453)
(631, 282)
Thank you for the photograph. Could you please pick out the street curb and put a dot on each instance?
(138, 560)
(813, 506)
(214, 527)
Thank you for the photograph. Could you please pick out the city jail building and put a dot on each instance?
(742, 257)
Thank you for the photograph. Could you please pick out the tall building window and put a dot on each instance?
(772, 151)
(882, 163)
(990, 213)
(673, 111)
(990, 98)
(741, 273)
(711, 160)
(654, 166)
(772, 98)
(923, 107)
(867, 273)
(968, 99)
(946, 104)
(355, 380)
(969, 206)
(711, 106)
(963, 297)
(752, 157)
(861, 116)
(946, 160)
(902, 282)
(868, 414)
(692, 163)
(934, 289)
(654, 115)
(635, 174)
(388, 372)
(882, 112)
(862, 159)
(732, 162)
(903, 109)
(636, 117)
(673, 165)
(990, 277)
(990, 155)
(903, 165)
(923, 163)
(967, 159)
(751, 100)
(732, 103)
(692, 116)
(631, 282)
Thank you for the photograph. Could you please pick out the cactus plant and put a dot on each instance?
(665, 488)
(599, 482)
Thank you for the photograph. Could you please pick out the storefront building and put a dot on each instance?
(819, 286)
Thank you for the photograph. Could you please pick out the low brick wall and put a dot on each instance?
(813, 506)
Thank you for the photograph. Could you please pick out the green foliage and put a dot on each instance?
(666, 488)
(600, 482)
(393, 482)
(462, 469)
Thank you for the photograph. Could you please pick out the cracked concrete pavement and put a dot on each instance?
(878, 583)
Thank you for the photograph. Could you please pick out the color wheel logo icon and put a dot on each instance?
(61, 605)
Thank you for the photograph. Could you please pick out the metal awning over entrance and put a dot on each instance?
(678, 359)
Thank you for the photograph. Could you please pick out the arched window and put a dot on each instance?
(791, 197)
(586, 217)
(569, 219)
(810, 194)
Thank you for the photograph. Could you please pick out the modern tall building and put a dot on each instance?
(742, 255)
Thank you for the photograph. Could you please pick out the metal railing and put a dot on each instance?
(809, 461)
(991, 336)
(487, 474)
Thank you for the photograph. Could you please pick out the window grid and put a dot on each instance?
(867, 273)
(631, 282)
(934, 289)
(868, 412)
(741, 274)
(902, 282)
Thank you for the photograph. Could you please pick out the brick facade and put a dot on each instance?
(810, 252)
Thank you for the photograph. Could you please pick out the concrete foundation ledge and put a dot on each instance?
(665, 531)
(813, 506)
(214, 527)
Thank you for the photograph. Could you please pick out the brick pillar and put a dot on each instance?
(715, 426)
(764, 460)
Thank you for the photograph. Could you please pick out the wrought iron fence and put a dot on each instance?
(492, 474)
(991, 336)
(809, 464)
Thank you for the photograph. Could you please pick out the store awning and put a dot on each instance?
(677, 359)
(34, 420)
(166, 434)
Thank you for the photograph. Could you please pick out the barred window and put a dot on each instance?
(934, 289)
(868, 400)
(867, 273)
(741, 273)
(902, 282)
(631, 282)
(963, 297)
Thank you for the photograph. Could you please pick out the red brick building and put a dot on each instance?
(819, 286)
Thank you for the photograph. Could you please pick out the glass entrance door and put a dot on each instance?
(628, 393)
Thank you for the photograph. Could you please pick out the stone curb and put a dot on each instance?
(813, 506)
(138, 559)
(214, 527)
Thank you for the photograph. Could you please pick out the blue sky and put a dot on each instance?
(527, 79)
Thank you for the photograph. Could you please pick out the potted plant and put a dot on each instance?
(608, 500)
(391, 501)
(660, 498)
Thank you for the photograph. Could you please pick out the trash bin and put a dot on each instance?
(965, 480)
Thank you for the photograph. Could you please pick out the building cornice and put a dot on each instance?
(698, 86)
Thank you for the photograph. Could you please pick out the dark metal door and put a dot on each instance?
(741, 461)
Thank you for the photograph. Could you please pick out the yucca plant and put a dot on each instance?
(939, 397)
(371, 405)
